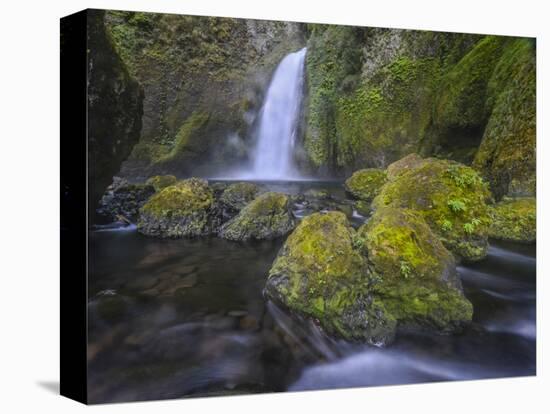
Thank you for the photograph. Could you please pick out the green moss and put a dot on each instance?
(515, 220)
(507, 154)
(266, 217)
(417, 280)
(238, 195)
(319, 273)
(448, 195)
(365, 184)
(183, 138)
(180, 210)
(161, 181)
(180, 199)
(463, 90)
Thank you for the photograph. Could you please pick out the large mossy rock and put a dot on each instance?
(365, 184)
(515, 220)
(411, 161)
(451, 197)
(318, 273)
(185, 209)
(161, 181)
(267, 217)
(236, 196)
(416, 276)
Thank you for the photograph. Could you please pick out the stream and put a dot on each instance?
(180, 318)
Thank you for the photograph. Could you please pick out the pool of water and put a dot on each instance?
(180, 318)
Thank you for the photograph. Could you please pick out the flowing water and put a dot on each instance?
(178, 318)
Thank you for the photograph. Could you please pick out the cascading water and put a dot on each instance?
(279, 119)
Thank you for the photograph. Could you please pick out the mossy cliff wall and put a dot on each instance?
(203, 79)
(115, 105)
(375, 95)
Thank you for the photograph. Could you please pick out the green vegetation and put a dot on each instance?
(179, 210)
(515, 220)
(451, 197)
(266, 217)
(365, 184)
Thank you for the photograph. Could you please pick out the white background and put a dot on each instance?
(29, 206)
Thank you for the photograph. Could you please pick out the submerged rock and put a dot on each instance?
(416, 277)
(365, 184)
(235, 197)
(161, 181)
(515, 220)
(185, 209)
(123, 200)
(318, 273)
(451, 198)
(267, 217)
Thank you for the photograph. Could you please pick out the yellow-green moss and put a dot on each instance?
(319, 273)
(266, 217)
(161, 181)
(507, 154)
(365, 184)
(181, 199)
(238, 195)
(416, 276)
(515, 220)
(452, 199)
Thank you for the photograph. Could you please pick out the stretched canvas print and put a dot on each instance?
(258, 206)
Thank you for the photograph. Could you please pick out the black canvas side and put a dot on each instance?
(74, 217)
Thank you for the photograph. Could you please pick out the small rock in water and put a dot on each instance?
(237, 313)
(249, 323)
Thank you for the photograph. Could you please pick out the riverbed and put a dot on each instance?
(187, 317)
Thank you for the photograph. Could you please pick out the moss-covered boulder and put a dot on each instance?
(184, 209)
(238, 195)
(267, 217)
(416, 277)
(161, 181)
(451, 197)
(411, 161)
(515, 220)
(365, 184)
(318, 273)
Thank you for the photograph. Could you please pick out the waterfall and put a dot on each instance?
(278, 121)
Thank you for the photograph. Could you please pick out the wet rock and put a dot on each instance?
(515, 220)
(319, 274)
(235, 197)
(185, 209)
(451, 197)
(123, 200)
(267, 217)
(365, 184)
(416, 276)
(161, 181)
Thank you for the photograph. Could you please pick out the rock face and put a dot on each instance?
(319, 274)
(124, 199)
(204, 79)
(235, 197)
(267, 217)
(161, 181)
(185, 209)
(515, 220)
(115, 106)
(452, 200)
(365, 184)
(416, 275)
(376, 95)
